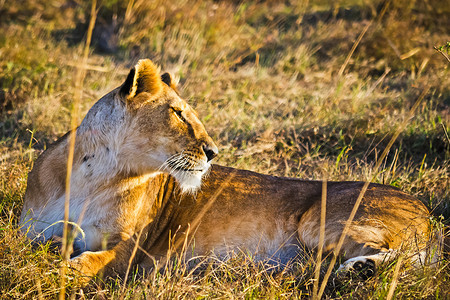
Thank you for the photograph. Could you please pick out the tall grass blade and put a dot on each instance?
(323, 209)
(81, 72)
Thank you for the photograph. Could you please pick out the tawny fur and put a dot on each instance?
(140, 157)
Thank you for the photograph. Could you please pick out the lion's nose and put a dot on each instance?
(210, 151)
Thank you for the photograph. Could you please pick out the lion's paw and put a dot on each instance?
(363, 266)
(84, 264)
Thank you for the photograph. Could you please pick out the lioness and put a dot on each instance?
(142, 169)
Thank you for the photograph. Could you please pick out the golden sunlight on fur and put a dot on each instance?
(142, 172)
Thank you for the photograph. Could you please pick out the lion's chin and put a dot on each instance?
(189, 181)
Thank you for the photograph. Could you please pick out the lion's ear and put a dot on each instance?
(168, 79)
(144, 77)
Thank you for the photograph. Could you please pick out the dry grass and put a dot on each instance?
(263, 76)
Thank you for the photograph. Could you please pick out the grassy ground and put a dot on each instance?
(274, 88)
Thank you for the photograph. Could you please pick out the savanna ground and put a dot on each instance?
(278, 88)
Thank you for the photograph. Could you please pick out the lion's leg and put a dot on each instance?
(365, 247)
(361, 256)
(368, 243)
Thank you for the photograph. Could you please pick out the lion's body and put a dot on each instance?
(138, 151)
(272, 217)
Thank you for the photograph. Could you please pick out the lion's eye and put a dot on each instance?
(179, 114)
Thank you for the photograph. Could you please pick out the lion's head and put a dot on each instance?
(150, 128)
